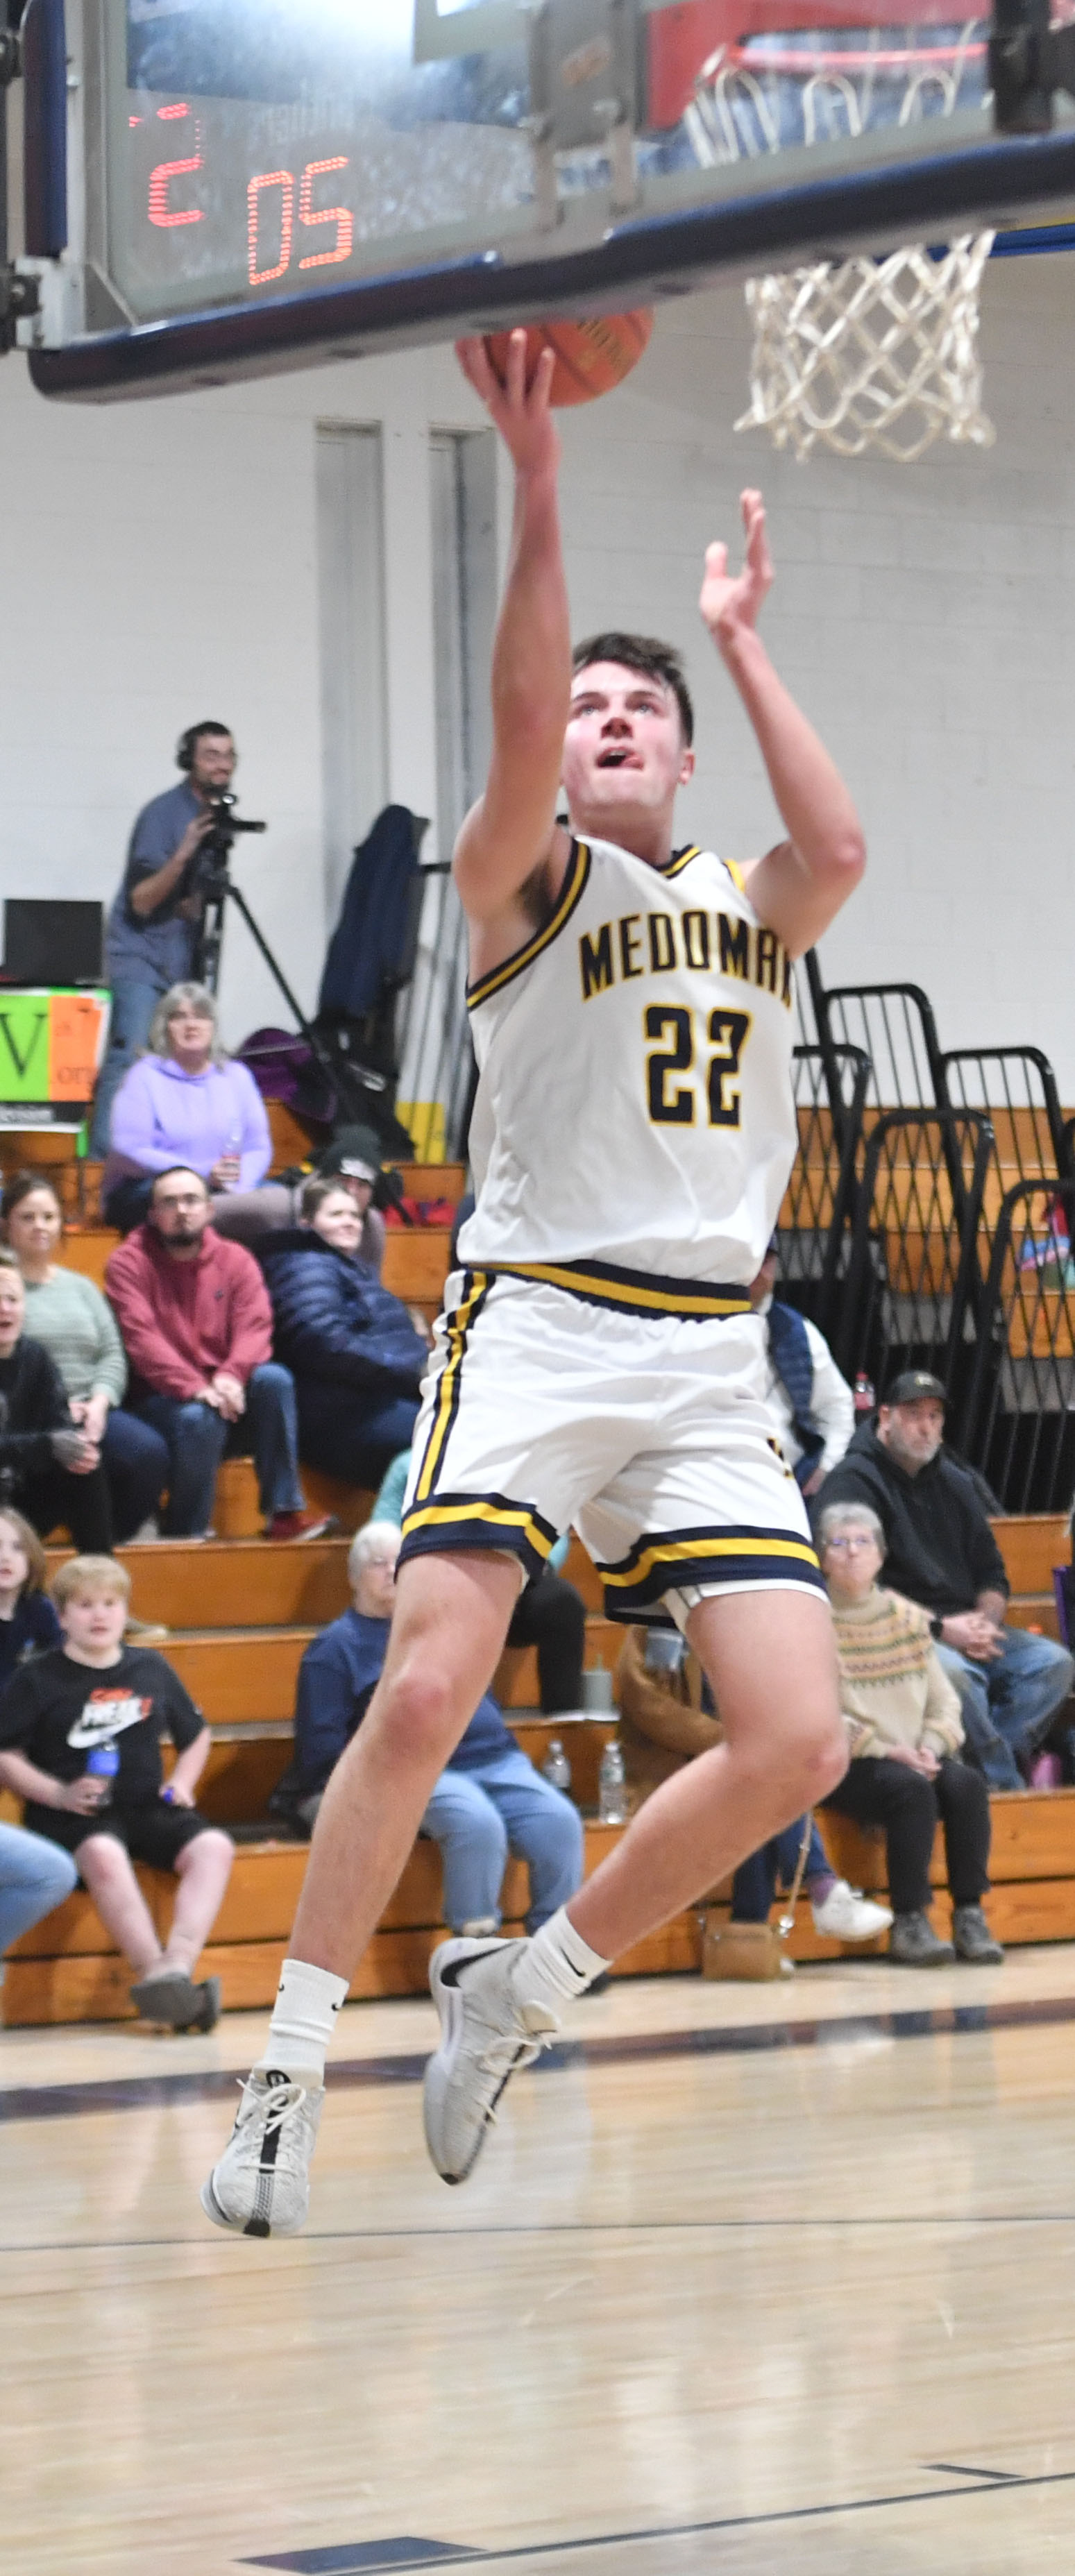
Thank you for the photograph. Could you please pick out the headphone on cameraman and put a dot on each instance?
(187, 745)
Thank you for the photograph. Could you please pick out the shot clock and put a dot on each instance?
(256, 148)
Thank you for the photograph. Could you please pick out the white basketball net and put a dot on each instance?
(871, 354)
(863, 353)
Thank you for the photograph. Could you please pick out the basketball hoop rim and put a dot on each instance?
(800, 65)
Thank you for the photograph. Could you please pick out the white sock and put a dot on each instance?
(557, 1964)
(303, 2020)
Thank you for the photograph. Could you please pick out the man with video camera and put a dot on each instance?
(155, 921)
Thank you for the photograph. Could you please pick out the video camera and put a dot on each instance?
(209, 871)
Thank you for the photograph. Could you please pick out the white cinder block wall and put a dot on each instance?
(159, 563)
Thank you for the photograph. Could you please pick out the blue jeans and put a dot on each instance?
(198, 1438)
(757, 1879)
(350, 1435)
(34, 1876)
(477, 1817)
(133, 1005)
(1007, 1705)
(136, 1464)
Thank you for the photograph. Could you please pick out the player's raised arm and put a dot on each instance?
(509, 833)
(799, 886)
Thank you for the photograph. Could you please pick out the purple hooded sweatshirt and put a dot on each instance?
(162, 1116)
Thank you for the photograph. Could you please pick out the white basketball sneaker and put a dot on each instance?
(261, 2186)
(486, 2035)
(845, 1914)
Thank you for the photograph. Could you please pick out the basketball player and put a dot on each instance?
(597, 1362)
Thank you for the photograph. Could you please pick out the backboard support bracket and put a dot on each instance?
(19, 294)
(1030, 63)
(586, 65)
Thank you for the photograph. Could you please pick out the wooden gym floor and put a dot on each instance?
(749, 2279)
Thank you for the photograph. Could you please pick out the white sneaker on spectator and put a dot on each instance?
(845, 1914)
(261, 2185)
(486, 2035)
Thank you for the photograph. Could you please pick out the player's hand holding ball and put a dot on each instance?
(731, 602)
(517, 408)
(521, 375)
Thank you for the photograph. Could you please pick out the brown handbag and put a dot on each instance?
(751, 1953)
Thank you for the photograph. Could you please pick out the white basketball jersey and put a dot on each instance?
(634, 1105)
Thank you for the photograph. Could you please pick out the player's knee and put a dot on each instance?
(421, 1711)
(825, 1757)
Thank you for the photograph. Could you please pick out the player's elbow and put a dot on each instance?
(844, 859)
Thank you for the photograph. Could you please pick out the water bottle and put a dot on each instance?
(103, 1764)
(611, 1788)
(665, 1650)
(556, 1768)
(865, 1398)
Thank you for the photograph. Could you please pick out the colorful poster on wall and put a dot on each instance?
(51, 1047)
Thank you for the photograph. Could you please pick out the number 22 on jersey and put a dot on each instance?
(673, 1101)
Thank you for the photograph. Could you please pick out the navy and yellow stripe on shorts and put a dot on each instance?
(631, 1292)
(725, 1557)
(458, 1326)
(455, 1523)
(437, 1520)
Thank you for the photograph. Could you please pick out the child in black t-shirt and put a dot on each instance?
(80, 1741)
(28, 1621)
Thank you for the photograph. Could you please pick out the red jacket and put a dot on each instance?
(183, 1320)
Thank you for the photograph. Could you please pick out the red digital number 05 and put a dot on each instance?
(309, 215)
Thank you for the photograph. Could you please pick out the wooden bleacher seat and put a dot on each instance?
(241, 1610)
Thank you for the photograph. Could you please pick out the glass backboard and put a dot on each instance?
(267, 182)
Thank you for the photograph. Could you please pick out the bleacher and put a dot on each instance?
(241, 1613)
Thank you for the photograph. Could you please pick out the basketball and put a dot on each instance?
(591, 357)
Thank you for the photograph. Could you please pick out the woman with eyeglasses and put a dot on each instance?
(906, 1731)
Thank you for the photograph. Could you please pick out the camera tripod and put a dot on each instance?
(362, 1093)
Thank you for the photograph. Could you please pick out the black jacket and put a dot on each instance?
(941, 1551)
(32, 1403)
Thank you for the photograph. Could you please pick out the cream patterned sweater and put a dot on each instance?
(893, 1689)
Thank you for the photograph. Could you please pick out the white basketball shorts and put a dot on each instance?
(632, 1410)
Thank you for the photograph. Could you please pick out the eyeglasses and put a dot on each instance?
(849, 1546)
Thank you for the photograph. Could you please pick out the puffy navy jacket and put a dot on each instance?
(333, 1320)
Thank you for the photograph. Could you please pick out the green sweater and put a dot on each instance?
(79, 1330)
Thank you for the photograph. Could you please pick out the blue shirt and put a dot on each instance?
(160, 949)
(337, 1678)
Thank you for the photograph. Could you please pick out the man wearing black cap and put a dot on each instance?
(941, 1552)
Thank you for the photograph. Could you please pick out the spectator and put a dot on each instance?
(353, 1158)
(92, 1692)
(196, 1323)
(35, 1877)
(840, 1912)
(489, 1801)
(76, 1325)
(905, 1773)
(813, 1404)
(186, 1102)
(664, 1723)
(351, 1346)
(46, 1459)
(155, 920)
(549, 1615)
(941, 1553)
(28, 1622)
